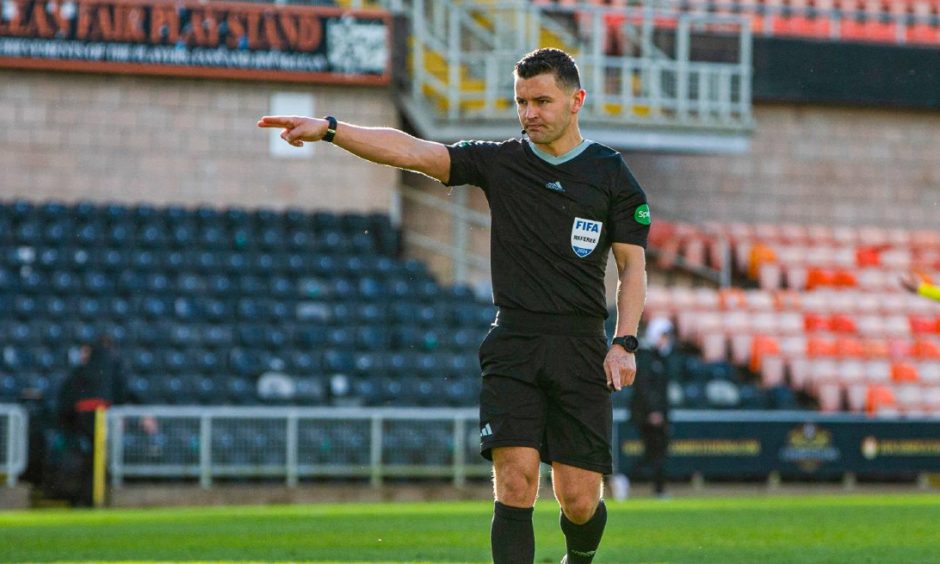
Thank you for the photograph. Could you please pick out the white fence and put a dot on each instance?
(210, 443)
(13, 439)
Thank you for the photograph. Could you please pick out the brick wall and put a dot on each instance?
(810, 164)
(185, 141)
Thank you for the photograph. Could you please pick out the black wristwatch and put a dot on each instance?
(628, 342)
(330, 129)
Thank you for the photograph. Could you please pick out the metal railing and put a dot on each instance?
(14, 436)
(210, 443)
(292, 443)
(645, 86)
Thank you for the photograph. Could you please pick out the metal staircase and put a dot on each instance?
(657, 97)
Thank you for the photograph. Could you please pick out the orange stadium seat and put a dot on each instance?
(816, 322)
(760, 254)
(850, 347)
(925, 349)
(762, 345)
(921, 324)
(876, 348)
(820, 346)
(842, 323)
(844, 278)
(869, 255)
(819, 277)
(904, 372)
(880, 398)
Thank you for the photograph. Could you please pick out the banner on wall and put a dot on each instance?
(802, 446)
(192, 38)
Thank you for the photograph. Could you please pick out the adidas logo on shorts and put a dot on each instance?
(486, 431)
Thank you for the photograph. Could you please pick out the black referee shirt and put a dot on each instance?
(553, 220)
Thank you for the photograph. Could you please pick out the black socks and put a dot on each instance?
(512, 538)
(583, 539)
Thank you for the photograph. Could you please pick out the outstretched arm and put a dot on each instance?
(620, 365)
(382, 145)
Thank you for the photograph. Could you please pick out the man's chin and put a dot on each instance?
(536, 136)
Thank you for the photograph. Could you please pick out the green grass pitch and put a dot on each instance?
(814, 528)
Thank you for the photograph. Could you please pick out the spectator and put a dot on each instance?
(918, 284)
(649, 406)
(97, 381)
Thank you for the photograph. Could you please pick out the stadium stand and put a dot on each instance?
(206, 302)
(914, 22)
(823, 314)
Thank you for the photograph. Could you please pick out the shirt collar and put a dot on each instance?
(563, 158)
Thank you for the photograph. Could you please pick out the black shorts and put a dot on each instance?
(547, 391)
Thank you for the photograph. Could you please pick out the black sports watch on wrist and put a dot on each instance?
(330, 129)
(628, 342)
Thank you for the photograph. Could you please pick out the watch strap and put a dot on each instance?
(330, 129)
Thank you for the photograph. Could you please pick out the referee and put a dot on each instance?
(559, 203)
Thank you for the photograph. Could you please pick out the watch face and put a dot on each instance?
(629, 342)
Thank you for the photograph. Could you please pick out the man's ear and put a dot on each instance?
(577, 101)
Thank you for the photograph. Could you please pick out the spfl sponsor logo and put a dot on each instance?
(585, 233)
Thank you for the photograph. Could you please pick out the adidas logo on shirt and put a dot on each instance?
(555, 186)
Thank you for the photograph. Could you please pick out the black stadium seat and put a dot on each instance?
(203, 301)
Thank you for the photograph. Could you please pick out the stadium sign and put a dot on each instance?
(734, 445)
(191, 38)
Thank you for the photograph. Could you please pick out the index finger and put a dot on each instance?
(276, 121)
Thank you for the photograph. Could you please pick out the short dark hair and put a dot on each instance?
(553, 61)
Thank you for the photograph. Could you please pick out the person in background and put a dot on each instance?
(97, 381)
(917, 284)
(649, 406)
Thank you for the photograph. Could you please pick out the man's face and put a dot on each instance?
(545, 110)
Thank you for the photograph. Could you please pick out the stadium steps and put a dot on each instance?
(472, 90)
